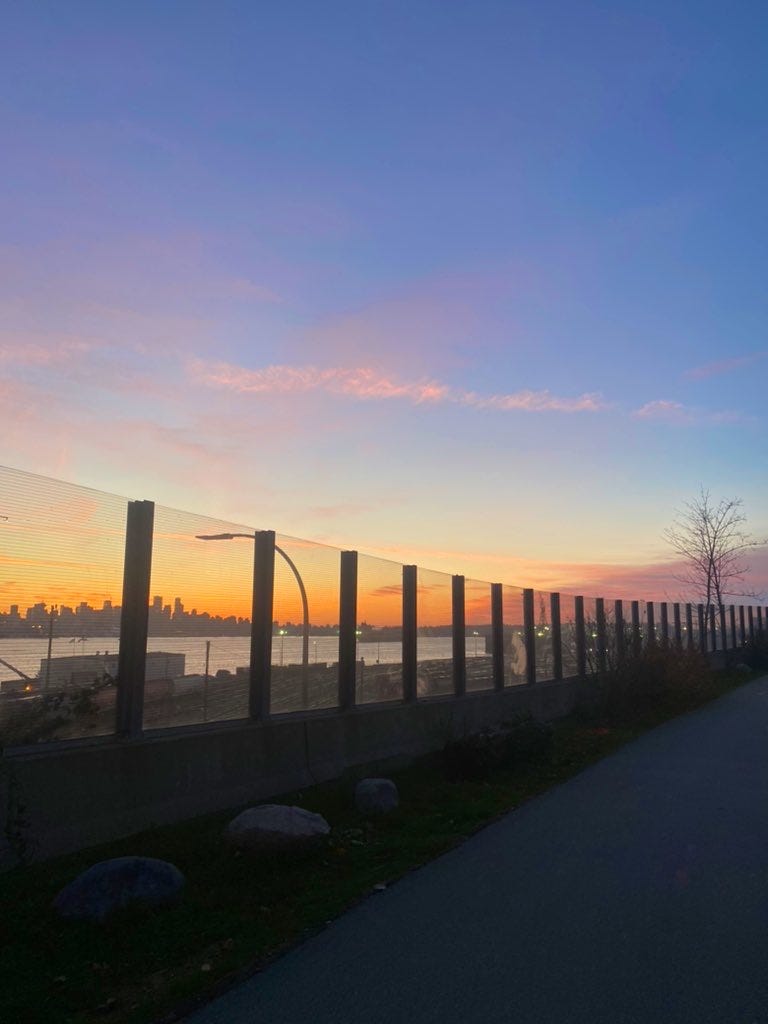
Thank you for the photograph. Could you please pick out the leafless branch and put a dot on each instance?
(712, 542)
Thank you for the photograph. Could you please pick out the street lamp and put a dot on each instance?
(299, 580)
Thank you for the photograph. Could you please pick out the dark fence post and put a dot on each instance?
(618, 625)
(751, 617)
(556, 635)
(529, 627)
(581, 636)
(742, 629)
(650, 623)
(348, 630)
(664, 624)
(459, 637)
(732, 618)
(637, 640)
(759, 618)
(497, 635)
(410, 628)
(134, 619)
(678, 626)
(689, 625)
(702, 628)
(600, 620)
(260, 686)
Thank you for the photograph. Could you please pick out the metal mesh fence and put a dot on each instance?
(62, 549)
(379, 636)
(61, 572)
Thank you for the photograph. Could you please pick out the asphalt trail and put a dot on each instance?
(636, 892)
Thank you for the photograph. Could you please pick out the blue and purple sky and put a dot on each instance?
(476, 285)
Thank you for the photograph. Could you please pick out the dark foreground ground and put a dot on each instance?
(635, 892)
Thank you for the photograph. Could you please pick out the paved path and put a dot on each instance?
(637, 892)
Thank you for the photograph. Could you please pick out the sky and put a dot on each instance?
(476, 286)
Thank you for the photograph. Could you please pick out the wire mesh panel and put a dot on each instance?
(514, 636)
(434, 634)
(477, 618)
(61, 575)
(643, 624)
(590, 633)
(201, 591)
(305, 642)
(611, 641)
(694, 629)
(568, 635)
(379, 647)
(545, 651)
(715, 628)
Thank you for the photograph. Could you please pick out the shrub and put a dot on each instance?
(476, 757)
(40, 718)
(658, 676)
(755, 652)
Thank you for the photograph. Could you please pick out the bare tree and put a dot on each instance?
(712, 541)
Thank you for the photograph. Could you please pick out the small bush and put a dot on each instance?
(659, 676)
(42, 717)
(755, 652)
(477, 757)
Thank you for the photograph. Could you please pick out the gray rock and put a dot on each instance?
(277, 827)
(376, 796)
(741, 667)
(120, 882)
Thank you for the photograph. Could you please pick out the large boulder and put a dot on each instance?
(121, 882)
(277, 828)
(376, 796)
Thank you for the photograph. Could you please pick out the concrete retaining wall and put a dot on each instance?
(80, 795)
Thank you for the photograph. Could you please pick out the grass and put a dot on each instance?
(238, 912)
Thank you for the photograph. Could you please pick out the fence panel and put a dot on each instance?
(62, 551)
(477, 613)
(590, 634)
(305, 645)
(379, 648)
(434, 611)
(198, 649)
(545, 653)
(694, 628)
(568, 635)
(514, 637)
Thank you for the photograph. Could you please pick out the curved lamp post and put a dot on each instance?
(299, 580)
